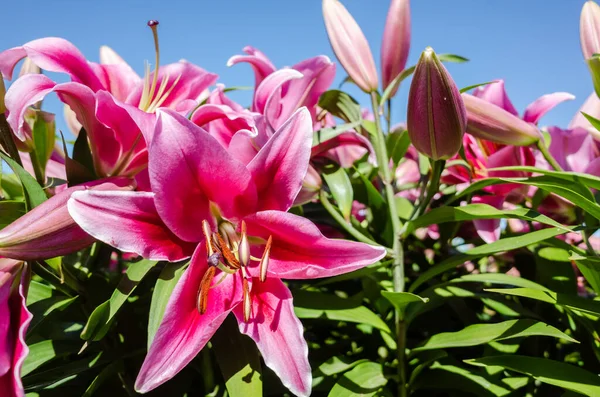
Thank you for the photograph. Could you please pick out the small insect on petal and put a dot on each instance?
(244, 247)
(264, 261)
(247, 302)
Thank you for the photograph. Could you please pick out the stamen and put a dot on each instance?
(230, 259)
(247, 302)
(207, 236)
(149, 89)
(244, 247)
(264, 261)
(204, 287)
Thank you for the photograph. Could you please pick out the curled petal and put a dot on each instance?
(300, 251)
(261, 65)
(127, 221)
(54, 55)
(108, 56)
(265, 92)
(538, 108)
(278, 333)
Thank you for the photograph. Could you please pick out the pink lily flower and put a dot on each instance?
(481, 156)
(14, 320)
(591, 106)
(496, 93)
(233, 217)
(278, 95)
(109, 100)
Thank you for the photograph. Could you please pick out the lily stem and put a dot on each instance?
(37, 169)
(432, 188)
(398, 264)
(345, 224)
(541, 145)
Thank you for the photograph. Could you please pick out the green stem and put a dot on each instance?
(388, 115)
(398, 264)
(401, 337)
(37, 169)
(346, 225)
(6, 139)
(433, 187)
(548, 156)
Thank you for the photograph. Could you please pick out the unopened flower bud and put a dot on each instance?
(488, 121)
(589, 29)
(350, 45)
(436, 117)
(396, 42)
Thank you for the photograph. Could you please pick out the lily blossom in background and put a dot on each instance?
(233, 218)
(14, 320)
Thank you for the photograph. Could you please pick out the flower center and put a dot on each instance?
(152, 98)
(229, 253)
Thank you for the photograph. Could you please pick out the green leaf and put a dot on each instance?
(401, 300)
(42, 301)
(106, 373)
(379, 209)
(336, 365)
(33, 192)
(452, 58)
(42, 352)
(167, 280)
(397, 144)
(502, 245)
(547, 371)
(394, 84)
(588, 180)
(341, 105)
(480, 334)
(478, 211)
(76, 171)
(44, 136)
(325, 134)
(340, 186)
(238, 360)
(101, 318)
(590, 268)
(363, 380)
(10, 211)
(470, 87)
(593, 121)
(569, 301)
(309, 304)
(499, 278)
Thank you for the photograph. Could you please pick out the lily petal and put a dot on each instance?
(488, 229)
(538, 108)
(48, 230)
(280, 166)
(300, 251)
(496, 93)
(188, 169)
(261, 65)
(127, 221)
(183, 331)
(278, 333)
(270, 85)
(54, 55)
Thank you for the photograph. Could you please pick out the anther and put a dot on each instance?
(246, 302)
(204, 288)
(264, 261)
(244, 247)
(230, 259)
(207, 237)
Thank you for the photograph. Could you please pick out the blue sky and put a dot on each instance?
(533, 44)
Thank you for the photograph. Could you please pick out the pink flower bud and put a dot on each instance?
(396, 42)
(350, 45)
(436, 114)
(48, 230)
(488, 121)
(589, 29)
